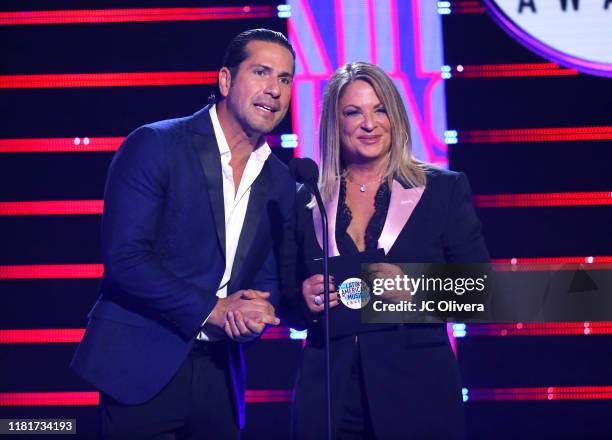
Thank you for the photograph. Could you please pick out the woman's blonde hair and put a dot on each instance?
(401, 165)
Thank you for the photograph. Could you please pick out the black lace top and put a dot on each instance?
(375, 226)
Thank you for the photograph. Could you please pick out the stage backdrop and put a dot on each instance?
(532, 135)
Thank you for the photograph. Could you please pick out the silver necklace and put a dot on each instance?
(362, 186)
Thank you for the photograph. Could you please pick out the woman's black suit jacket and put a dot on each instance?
(411, 376)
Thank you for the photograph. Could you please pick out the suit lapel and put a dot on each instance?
(206, 145)
(331, 208)
(255, 212)
(401, 206)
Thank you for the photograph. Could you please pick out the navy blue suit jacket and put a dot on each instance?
(163, 249)
(411, 377)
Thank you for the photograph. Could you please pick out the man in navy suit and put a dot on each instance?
(196, 212)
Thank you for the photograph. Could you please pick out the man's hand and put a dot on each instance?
(243, 315)
(312, 291)
(242, 329)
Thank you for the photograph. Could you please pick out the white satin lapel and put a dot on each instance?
(330, 207)
(402, 204)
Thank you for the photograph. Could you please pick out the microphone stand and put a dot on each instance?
(315, 192)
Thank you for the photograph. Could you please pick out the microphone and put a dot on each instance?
(305, 170)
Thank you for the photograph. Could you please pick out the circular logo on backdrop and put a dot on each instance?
(354, 293)
(573, 33)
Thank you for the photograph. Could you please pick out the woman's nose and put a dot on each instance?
(368, 123)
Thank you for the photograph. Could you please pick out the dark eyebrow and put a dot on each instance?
(269, 68)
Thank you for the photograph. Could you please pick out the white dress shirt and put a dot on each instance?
(234, 202)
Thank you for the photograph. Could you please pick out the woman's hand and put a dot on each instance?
(312, 291)
(387, 271)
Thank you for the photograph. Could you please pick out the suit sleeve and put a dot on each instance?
(267, 278)
(134, 201)
(293, 309)
(274, 273)
(464, 242)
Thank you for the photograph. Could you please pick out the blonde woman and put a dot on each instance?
(399, 381)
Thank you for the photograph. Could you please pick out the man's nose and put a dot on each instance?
(273, 88)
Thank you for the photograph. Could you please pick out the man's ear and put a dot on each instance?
(225, 81)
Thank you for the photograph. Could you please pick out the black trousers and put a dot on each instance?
(356, 421)
(197, 403)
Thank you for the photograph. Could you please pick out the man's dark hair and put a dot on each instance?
(236, 51)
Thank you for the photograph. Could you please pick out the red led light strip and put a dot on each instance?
(554, 260)
(106, 79)
(268, 396)
(59, 336)
(41, 336)
(543, 199)
(550, 267)
(459, 10)
(93, 398)
(135, 15)
(70, 271)
(541, 393)
(552, 264)
(80, 145)
(500, 67)
(56, 207)
(74, 335)
(517, 73)
(539, 329)
(95, 207)
(536, 135)
(511, 70)
(96, 270)
(276, 396)
(467, 7)
(51, 271)
(60, 145)
(50, 399)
